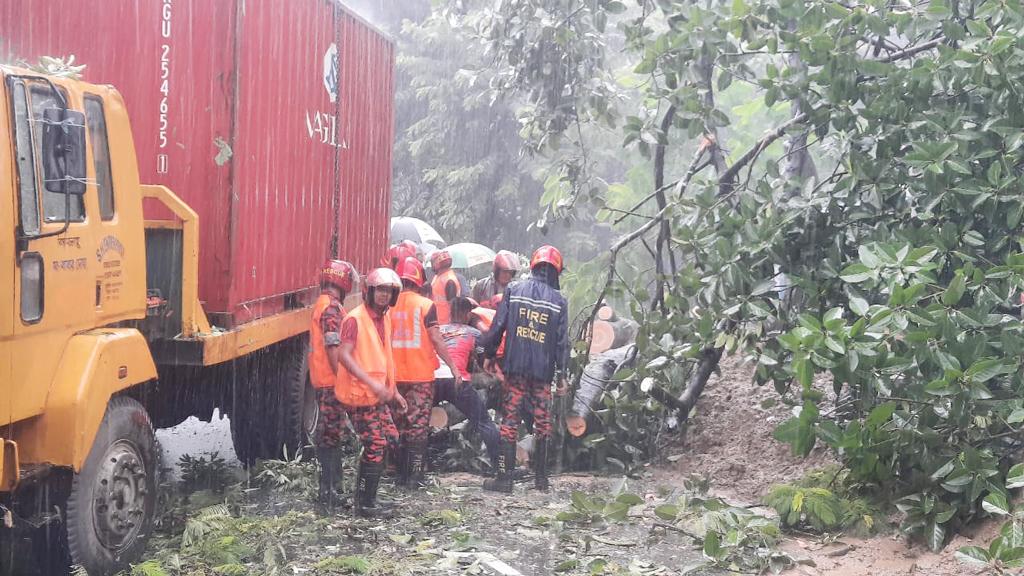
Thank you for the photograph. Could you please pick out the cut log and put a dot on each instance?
(604, 336)
(607, 313)
(594, 382)
(438, 417)
(612, 334)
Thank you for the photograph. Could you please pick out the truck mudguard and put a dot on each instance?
(95, 365)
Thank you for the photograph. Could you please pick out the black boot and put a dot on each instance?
(540, 464)
(366, 491)
(506, 463)
(404, 470)
(417, 455)
(330, 478)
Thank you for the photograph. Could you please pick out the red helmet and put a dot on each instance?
(382, 278)
(412, 270)
(397, 254)
(339, 273)
(548, 254)
(506, 261)
(441, 260)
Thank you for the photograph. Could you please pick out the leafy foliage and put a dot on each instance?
(822, 501)
(209, 472)
(293, 475)
(1006, 551)
(731, 537)
(879, 246)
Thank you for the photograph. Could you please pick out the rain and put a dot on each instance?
(511, 287)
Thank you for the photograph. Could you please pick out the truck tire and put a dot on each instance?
(267, 413)
(110, 510)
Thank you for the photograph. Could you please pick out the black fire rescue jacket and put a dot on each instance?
(534, 316)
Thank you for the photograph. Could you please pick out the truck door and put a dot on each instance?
(8, 226)
(53, 288)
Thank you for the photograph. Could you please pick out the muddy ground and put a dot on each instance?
(453, 527)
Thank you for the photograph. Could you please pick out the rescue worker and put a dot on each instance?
(397, 254)
(445, 286)
(366, 382)
(462, 341)
(416, 344)
(534, 319)
(503, 272)
(337, 278)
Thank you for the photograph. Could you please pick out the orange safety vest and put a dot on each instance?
(486, 316)
(320, 373)
(415, 358)
(437, 286)
(372, 355)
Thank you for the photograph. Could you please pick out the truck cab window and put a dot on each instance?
(43, 97)
(28, 198)
(97, 127)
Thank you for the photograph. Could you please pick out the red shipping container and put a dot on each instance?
(272, 119)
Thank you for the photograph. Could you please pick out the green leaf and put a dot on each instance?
(629, 499)
(867, 257)
(859, 306)
(985, 370)
(615, 7)
(951, 296)
(712, 545)
(566, 565)
(935, 536)
(995, 503)
(667, 511)
(855, 273)
(880, 415)
(972, 555)
(1015, 477)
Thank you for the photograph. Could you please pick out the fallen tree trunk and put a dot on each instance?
(593, 384)
(610, 334)
(683, 405)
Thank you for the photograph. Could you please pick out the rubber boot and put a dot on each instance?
(330, 478)
(404, 470)
(506, 463)
(540, 464)
(417, 455)
(366, 491)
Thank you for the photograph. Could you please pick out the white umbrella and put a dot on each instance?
(406, 228)
(468, 254)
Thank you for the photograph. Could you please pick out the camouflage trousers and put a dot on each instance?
(333, 423)
(519, 391)
(414, 425)
(376, 430)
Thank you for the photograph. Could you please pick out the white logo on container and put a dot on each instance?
(331, 71)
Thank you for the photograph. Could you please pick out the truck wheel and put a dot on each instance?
(268, 408)
(310, 414)
(298, 395)
(110, 510)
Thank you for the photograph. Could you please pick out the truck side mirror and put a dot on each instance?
(63, 150)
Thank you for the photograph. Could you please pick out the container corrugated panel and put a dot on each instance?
(286, 149)
(367, 117)
(273, 120)
(173, 64)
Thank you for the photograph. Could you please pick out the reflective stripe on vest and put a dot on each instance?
(372, 355)
(437, 291)
(415, 358)
(320, 373)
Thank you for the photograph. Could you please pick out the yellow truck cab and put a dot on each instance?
(85, 332)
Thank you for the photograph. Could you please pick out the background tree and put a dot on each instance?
(868, 228)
